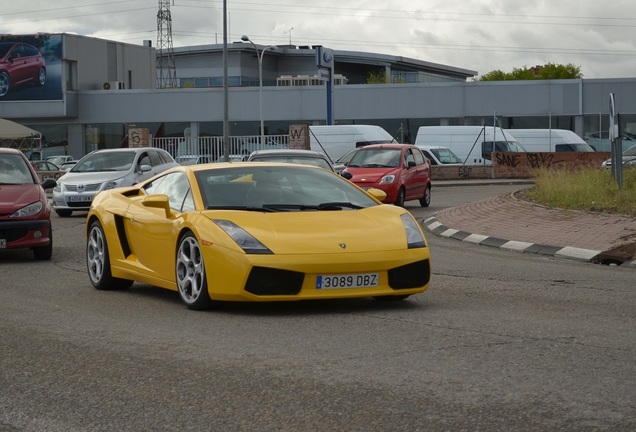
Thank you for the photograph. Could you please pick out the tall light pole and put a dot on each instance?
(245, 38)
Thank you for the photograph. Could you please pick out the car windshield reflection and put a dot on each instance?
(281, 188)
(101, 162)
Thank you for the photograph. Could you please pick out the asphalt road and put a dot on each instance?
(501, 341)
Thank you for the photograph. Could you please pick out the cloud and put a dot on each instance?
(480, 35)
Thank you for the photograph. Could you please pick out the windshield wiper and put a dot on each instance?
(264, 208)
(337, 205)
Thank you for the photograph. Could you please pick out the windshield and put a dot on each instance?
(446, 156)
(376, 158)
(630, 151)
(286, 187)
(105, 161)
(14, 170)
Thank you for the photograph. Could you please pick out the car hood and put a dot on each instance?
(373, 229)
(370, 175)
(625, 160)
(14, 197)
(91, 177)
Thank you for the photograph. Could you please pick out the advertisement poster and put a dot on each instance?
(30, 67)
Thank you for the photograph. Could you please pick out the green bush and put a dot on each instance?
(590, 189)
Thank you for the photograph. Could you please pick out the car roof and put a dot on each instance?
(219, 165)
(388, 145)
(9, 150)
(288, 152)
(126, 149)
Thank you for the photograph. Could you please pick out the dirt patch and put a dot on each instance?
(618, 255)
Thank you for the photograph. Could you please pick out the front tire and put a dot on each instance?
(46, 252)
(425, 201)
(392, 298)
(401, 196)
(5, 84)
(98, 261)
(190, 273)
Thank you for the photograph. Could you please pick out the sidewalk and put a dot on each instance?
(510, 222)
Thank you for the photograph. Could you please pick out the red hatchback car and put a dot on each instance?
(20, 63)
(25, 214)
(400, 170)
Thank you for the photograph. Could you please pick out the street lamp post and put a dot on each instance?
(245, 38)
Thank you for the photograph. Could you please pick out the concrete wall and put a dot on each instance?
(519, 165)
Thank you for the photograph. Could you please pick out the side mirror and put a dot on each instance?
(378, 194)
(159, 201)
(49, 183)
(410, 164)
(347, 175)
(144, 168)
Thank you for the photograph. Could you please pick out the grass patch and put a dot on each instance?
(589, 189)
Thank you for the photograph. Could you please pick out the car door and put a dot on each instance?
(19, 67)
(417, 175)
(143, 160)
(151, 232)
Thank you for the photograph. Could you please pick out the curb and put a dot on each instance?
(568, 252)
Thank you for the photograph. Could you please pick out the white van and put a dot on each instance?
(472, 144)
(439, 155)
(336, 140)
(550, 140)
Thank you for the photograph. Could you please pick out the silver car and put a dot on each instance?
(296, 156)
(106, 169)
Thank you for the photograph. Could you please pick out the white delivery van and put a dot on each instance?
(550, 140)
(336, 140)
(472, 144)
(439, 155)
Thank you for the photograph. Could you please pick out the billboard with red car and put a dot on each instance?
(30, 67)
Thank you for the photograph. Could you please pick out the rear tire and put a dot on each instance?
(425, 201)
(41, 80)
(98, 261)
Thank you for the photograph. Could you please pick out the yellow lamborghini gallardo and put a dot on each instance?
(255, 232)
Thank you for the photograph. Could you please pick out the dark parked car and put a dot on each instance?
(20, 63)
(25, 214)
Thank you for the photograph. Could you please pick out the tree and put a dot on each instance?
(545, 72)
(381, 77)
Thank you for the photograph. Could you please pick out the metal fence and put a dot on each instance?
(212, 149)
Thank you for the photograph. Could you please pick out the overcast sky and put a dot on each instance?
(479, 35)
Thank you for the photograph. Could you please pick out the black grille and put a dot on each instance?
(84, 205)
(269, 281)
(412, 275)
(13, 234)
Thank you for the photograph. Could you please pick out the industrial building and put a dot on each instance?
(97, 90)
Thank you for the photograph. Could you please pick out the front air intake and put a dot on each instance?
(412, 275)
(269, 281)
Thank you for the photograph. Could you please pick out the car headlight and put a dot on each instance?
(30, 210)
(245, 240)
(414, 236)
(112, 184)
(387, 179)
